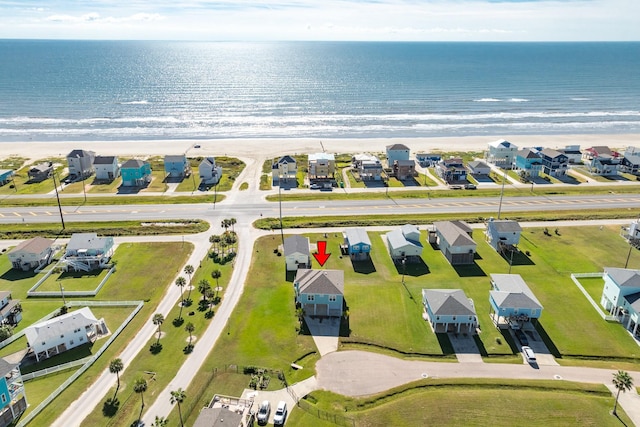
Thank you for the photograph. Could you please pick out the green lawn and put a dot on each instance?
(23, 186)
(73, 281)
(137, 278)
(469, 403)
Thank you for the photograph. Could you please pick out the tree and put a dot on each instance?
(225, 224)
(216, 274)
(177, 397)
(622, 381)
(232, 222)
(115, 367)
(203, 288)
(188, 270)
(140, 386)
(181, 282)
(160, 422)
(210, 295)
(158, 320)
(190, 328)
(5, 332)
(214, 240)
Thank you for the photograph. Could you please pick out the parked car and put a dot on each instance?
(315, 186)
(529, 354)
(470, 186)
(281, 413)
(522, 337)
(264, 410)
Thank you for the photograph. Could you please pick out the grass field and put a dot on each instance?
(73, 281)
(468, 403)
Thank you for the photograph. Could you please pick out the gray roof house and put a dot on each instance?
(106, 167)
(503, 234)
(87, 251)
(512, 300)
(478, 167)
(80, 163)
(455, 241)
(296, 252)
(40, 172)
(449, 310)
(210, 173)
(284, 168)
(320, 292)
(404, 244)
(176, 166)
(356, 243)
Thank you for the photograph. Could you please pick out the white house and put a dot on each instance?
(209, 172)
(404, 243)
(87, 251)
(106, 167)
(63, 333)
(501, 153)
(397, 152)
(621, 296)
(284, 168)
(296, 252)
(81, 163)
(321, 166)
(31, 254)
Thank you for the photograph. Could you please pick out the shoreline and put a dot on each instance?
(263, 148)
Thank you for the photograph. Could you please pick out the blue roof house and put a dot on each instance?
(511, 300)
(135, 173)
(528, 163)
(320, 292)
(356, 244)
(621, 296)
(13, 401)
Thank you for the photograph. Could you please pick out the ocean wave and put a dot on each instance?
(487, 100)
(581, 99)
(142, 102)
(518, 100)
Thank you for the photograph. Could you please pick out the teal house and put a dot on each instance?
(512, 301)
(320, 292)
(13, 401)
(135, 173)
(621, 297)
(5, 176)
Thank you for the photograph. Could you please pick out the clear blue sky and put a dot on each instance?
(420, 20)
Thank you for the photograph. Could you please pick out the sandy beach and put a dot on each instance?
(268, 148)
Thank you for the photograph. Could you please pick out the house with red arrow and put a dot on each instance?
(320, 292)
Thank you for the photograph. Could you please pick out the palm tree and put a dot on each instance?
(177, 397)
(232, 222)
(214, 240)
(115, 367)
(210, 296)
(160, 422)
(140, 386)
(181, 282)
(223, 247)
(230, 239)
(188, 270)
(158, 320)
(203, 288)
(622, 381)
(190, 328)
(225, 224)
(216, 274)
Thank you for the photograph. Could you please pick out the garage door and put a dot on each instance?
(322, 309)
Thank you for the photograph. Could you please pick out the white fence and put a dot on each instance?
(33, 292)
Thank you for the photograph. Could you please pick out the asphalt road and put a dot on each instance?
(244, 208)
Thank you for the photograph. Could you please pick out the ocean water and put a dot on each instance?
(115, 90)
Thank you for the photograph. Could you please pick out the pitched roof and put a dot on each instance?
(513, 287)
(514, 300)
(528, 153)
(218, 417)
(634, 301)
(296, 244)
(624, 277)
(477, 164)
(504, 225)
(175, 158)
(104, 160)
(59, 325)
(211, 161)
(397, 147)
(448, 302)
(550, 152)
(321, 156)
(6, 367)
(357, 235)
(133, 164)
(455, 232)
(326, 282)
(34, 246)
(86, 241)
(286, 159)
(501, 143)
(80, 153)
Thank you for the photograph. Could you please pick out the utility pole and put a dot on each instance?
(280, 206)
(504, 178)
(55, 186)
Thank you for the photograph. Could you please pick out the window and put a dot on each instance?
(4, 398)
(332, 298)
(61, 336)
(311, 297)
(43, 343)
(81, 339)
(454, 317)
(71, 342)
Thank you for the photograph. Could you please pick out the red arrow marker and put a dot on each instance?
(322, 256)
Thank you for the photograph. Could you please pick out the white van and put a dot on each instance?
(529, 354)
